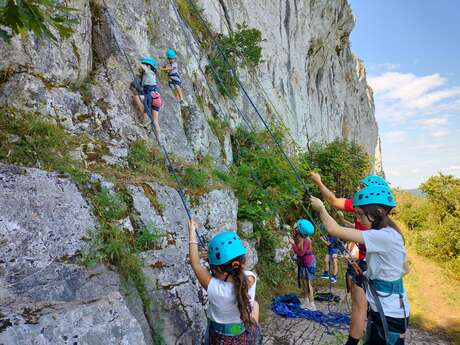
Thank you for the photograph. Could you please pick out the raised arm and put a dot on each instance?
(326, 193)
(201, 273)
(331, 225)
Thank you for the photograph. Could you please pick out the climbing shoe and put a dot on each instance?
(325, 275)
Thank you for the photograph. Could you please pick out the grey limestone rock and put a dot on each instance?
(43, 217)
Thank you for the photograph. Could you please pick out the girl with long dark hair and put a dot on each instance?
(233, 312)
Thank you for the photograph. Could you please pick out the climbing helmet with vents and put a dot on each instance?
(150, 61)
(374, 180)
(224, 247)
(372, 195)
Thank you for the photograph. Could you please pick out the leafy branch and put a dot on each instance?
(42, 17)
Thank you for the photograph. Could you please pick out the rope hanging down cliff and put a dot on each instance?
(345, 252)
(163, 149)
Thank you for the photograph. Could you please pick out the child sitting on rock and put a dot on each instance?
(174, 80)
(233, 312)
(306, 261)
(148, 101)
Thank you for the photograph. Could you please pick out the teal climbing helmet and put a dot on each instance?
(371, 195)
(150, 62)
(305, 227)
(171, 54)
(374, 180)
(224, 247)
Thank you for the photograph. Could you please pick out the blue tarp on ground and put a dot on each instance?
(289, 306)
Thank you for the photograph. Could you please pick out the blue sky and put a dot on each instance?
(412, 55)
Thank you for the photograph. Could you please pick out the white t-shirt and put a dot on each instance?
(385, 259)
(223, 307)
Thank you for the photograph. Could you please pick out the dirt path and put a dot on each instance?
(434, 297)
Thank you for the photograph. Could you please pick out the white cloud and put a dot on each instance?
(430, 147)
(439, 134)
(453, 168)
(434, 121)
(389, 66)
(401, 96)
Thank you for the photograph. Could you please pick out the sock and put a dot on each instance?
(352, 341)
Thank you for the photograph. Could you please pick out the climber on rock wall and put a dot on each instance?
(354, 284)
(174, 80)
(388, 315)
(306, 260)
(148, 99)
(233, 313)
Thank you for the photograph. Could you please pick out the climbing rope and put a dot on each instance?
(288, 306)
(316, 317)
(347, 255)
(163, 149)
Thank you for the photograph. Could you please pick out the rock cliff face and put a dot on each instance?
(311, 81)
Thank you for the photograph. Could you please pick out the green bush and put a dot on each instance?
(241, 48)
(148, 238)
(195, 178)
(434, 220)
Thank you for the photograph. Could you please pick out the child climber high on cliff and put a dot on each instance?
(174, 80)
(148, 101)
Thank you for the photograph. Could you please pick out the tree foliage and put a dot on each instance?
(434, 221)
(266, 186)
(42, 17)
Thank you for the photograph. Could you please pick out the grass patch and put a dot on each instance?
(109, 204)
(219, 128)
(109, 245)
(30, 140)
(434, 296)
(192, 13)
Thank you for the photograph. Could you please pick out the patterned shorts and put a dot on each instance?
(250, 336)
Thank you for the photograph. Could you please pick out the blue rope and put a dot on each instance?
(288, 306)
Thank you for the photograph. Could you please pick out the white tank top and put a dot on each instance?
(223, 307)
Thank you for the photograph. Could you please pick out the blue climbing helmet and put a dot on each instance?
(372, 195)
(374, 180)
(224, 247)
(150, 61)
(305, 227)
(171, 54)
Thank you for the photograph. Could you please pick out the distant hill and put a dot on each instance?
(416, 192)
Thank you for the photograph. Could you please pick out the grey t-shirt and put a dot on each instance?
(386, 257)
(149, 78)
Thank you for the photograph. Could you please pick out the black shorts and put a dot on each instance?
(355, 278)
(374, 329)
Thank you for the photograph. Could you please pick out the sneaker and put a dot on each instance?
(325, 275)
(183, 103)
(305, 303)
(334, 279)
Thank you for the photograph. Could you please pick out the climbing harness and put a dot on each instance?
(288, 306)
(163, 149)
